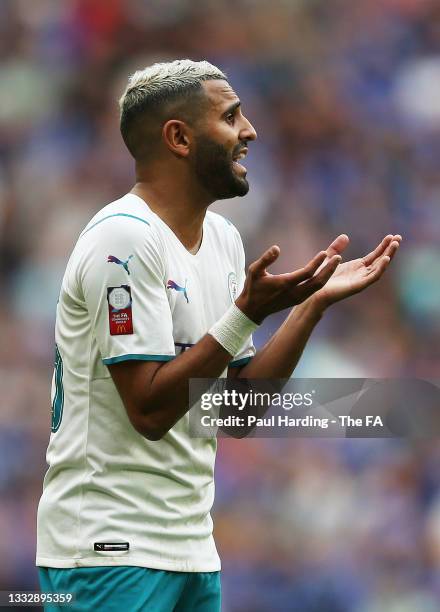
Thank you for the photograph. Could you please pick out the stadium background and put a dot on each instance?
(345, 97)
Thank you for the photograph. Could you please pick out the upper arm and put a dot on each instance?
(234, 372)
(133, 381)
(128, 307)
(237, 366)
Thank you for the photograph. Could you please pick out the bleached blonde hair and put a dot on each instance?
(151, 90)
(167, 79)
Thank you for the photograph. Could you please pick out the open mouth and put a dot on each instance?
(235, 161)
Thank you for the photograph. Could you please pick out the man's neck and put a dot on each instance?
(182, 211)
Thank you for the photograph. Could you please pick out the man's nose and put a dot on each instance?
(248, 131)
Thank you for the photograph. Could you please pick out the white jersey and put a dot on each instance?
(131, 291)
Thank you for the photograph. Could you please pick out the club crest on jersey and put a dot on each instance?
(124, 264)
(120, 310)
(173, 285)
(232, 285)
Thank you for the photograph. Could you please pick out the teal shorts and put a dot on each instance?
(132, 589)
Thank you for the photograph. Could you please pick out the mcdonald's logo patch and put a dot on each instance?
(120, 310)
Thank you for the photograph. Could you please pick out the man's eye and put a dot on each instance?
(230, 118)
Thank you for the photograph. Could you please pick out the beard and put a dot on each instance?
(214, 170)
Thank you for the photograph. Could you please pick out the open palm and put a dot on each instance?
(353, 276)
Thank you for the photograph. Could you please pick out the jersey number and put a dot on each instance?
(58, 398)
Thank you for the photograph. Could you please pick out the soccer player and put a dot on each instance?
(154, 294)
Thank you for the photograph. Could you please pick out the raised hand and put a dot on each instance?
(265, 293)
(353, 276)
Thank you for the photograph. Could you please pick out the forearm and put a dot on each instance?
(167, 399)
(280, 355)
(156, 395)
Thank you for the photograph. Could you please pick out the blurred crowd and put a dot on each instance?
(345, 97)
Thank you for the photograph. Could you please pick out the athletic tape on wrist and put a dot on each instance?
(233, 329)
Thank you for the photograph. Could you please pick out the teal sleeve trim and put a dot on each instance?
(110, 360)
(239, 362)
(115, 215)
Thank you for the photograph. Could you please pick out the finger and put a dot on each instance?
(390, 251)
(378, 251)
(267, 259)
(338, 245)
(392, 248)
(318, 281)
(376, 272)
(309, 270)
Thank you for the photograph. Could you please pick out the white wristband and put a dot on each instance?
(232, 330)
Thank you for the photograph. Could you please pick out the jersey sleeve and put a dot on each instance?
(121, 276)
(248, 350)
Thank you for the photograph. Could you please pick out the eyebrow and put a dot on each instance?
(231, 108)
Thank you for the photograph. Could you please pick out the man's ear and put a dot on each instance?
(177, 137)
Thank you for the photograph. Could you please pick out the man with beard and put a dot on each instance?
(154, 294)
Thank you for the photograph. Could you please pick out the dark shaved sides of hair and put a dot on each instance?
(160, 92)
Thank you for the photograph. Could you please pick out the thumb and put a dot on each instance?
(266, 260)
(338, 245)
